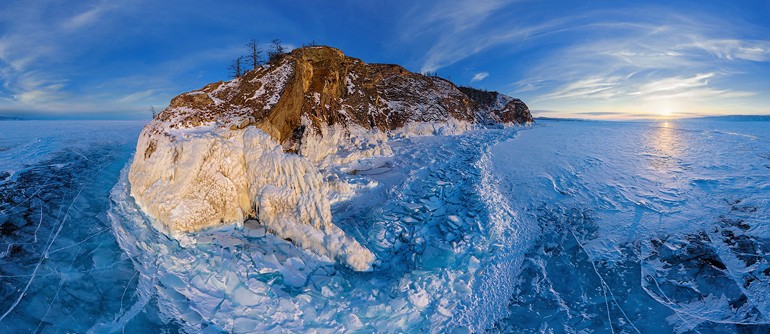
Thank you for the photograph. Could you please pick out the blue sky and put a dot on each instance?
(590, 59)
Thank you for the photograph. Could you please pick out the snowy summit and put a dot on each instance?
(268, 145)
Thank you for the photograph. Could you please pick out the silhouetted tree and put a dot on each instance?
(276, 50)
(236, 68)
(255, 53)
(152, 110)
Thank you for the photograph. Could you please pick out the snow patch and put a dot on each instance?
(277, 79)
(451, 127)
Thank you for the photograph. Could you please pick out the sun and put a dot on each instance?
(665, 109)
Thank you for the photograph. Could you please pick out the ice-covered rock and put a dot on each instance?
(205, 178)
(267, 145)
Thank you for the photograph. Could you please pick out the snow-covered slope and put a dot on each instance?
(267, 145)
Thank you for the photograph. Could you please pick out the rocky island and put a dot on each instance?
(264, 145)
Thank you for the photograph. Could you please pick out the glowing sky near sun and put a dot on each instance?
(588, 59)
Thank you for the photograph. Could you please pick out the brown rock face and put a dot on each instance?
(326, 86)
(499, 107)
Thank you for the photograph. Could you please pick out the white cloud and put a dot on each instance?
(83, 19)
(457, 15)
(624, 88)
(459, 29)
(603, 55)
(734, 49)
(454, 47)
(138, 96)
(480, 76)
(593, 87)
(675, 84)
(44, 51)
(685, 61)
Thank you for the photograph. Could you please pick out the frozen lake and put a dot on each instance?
(641, 227)
(564, 226)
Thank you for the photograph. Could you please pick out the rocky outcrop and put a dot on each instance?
(260, 146)
(326, 86)
(497, 108)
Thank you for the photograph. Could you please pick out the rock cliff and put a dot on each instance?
(261, 145)
(328, 87)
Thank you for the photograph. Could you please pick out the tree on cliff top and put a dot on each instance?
(255, 53)
(236, 68)
(276, 50)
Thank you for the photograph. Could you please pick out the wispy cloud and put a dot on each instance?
(84, 19)
(479, 76)
(617, 87)
(35, 50)
(598, 54)
(61, 58)
(592, 56)
(37, 88)
(644, 62)
(734, 49)
(461, 28)
(675, 84)
(601, 113)
(593, 87)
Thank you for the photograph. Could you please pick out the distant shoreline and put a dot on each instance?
(723, 118)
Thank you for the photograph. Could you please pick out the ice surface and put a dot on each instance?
(60, 267)
(592, 227)
(644, 227)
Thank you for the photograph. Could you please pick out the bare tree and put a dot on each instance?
(275, 51)
(152, 110)
(255, 53)
(236, 68)
(278, 47)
